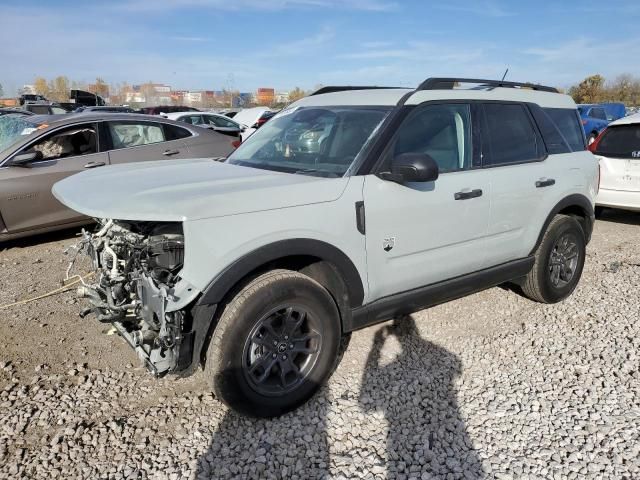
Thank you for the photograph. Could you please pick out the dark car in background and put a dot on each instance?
(37, 151)
(106, 109)
(166, 109)
(14, 111)
(45, 108)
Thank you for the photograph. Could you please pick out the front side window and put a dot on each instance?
(441, 131)
(69, 142)
(133, 134)
(622, 141)
(508, 136)
(598, 113)
(319, 141)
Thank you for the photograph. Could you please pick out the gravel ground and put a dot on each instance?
(489, 386)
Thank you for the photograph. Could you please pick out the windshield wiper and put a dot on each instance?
(311, 171)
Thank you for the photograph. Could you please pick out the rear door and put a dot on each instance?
(142, 140)
(26, 201)
(514, 154)
(619, 152)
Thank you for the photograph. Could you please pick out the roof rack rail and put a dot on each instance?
(337, 88)
(449, 83)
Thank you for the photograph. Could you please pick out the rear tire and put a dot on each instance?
(276, 343)
(559, 261)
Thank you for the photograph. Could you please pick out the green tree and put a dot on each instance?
(59, 89)
(296, 94)
(40, 86)
(590, 90)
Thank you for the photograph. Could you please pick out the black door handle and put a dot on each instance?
(95, 164)
(467, 195)
(170, 152)
(545, 183)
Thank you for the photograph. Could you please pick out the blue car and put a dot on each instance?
(595, 117)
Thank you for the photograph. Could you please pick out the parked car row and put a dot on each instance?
(37, 151)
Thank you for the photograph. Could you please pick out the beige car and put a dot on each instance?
(38, 151)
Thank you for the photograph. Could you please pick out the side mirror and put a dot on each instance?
(24, 159)
(412, 167)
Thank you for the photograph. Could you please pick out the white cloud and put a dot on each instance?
(157, 6)
(303, 46)
(481, 8)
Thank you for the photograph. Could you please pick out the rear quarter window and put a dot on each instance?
(568, 122)
(173, 132)
(621, 141)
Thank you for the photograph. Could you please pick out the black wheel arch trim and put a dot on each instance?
(224, 282)
(575, 200)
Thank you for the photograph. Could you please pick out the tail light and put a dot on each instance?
(593, 147)
(236, 143)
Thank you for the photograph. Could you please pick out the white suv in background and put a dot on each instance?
(618, 149)
(351, 206)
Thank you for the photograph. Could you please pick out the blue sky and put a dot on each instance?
(245, 44)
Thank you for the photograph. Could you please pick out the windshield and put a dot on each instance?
(320, 141)
(14, 128)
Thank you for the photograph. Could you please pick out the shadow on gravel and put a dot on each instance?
(414, 390)
(41, 238)
(417, 395)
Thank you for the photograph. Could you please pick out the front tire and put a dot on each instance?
(276, 343)
(559, 261)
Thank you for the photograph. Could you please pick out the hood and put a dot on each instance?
(179, 190)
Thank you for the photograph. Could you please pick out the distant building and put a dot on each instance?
(265, 96)
(149, 94)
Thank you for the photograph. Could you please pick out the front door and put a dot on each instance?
(422, 233)
(26, 201)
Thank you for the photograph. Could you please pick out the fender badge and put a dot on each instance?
(388, 243)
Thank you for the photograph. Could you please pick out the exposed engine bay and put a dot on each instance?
(137, 267)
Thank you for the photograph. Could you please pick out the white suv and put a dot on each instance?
(351, 206)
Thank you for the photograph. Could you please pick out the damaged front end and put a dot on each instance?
(137, 288)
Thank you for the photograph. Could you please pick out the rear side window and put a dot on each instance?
(508, 136)
(621, 141)
(133, 134)
(569, 125)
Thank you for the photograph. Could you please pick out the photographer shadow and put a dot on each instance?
(415, 390)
